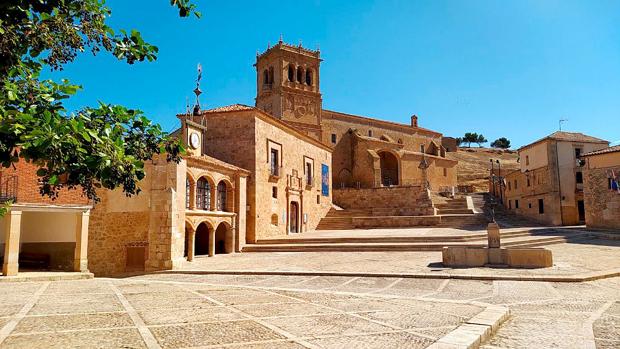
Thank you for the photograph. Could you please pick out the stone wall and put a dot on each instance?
(407, 200)
(245, 139)
(602, 204)
(353, 164)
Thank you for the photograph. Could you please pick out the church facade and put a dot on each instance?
(367, 152)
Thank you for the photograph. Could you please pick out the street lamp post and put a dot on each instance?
(501, 182)
(492, 176)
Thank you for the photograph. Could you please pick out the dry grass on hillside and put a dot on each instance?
(474, 165)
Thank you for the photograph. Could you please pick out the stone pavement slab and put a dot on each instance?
(268, 312)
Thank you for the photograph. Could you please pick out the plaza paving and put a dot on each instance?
(181, 310)
(589, 256)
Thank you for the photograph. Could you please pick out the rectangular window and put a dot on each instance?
(541, 206)
(318, 199)
(445, 172)
(516, 204)
(369, 133)
(509, 189)
(577, 153)
(510, 204)
(275, 162)
(274, 192)
(333, 138)
(528, 181)
(309, 177)
(527, 160)
(579, 177)
(421, 148)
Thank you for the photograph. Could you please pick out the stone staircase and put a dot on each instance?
(450, 213)
(517, 238)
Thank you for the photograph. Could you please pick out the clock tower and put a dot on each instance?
(287, 85)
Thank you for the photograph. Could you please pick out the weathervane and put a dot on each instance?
(561, 121)
(197, 90)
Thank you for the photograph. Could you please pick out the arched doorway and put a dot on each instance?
(223, 239)
(201, 242)
(294, 218)
(389, 168)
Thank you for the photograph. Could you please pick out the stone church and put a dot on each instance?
(367, 152)
(284, 166)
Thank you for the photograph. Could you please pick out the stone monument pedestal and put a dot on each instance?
(496, 256)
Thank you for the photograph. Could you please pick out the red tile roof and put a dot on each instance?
(232, 107)
(568, 137)
(604, 151)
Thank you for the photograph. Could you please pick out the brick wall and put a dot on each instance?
(28, 187)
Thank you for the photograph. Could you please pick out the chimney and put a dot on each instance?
(414, 121)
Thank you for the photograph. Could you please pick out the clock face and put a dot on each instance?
(194, 140)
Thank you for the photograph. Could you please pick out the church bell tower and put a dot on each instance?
(287, 86)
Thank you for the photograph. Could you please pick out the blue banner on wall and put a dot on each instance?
(325, 180)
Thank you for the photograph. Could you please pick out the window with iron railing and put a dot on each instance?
(8, 189)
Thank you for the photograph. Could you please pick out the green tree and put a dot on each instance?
(501, 143)
(480, 140)
(470, 138)
(97, 146)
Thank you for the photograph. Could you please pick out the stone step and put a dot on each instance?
(390, 239)
(517, 239)
(445, 211)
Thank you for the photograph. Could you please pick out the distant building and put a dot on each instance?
(450, 143)
(601, 189)
(549, 185)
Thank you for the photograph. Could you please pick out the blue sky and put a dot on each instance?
(501, 68)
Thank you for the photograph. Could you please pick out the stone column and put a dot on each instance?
(192, 195)
(191, 244)
(213, 197)
(12, 230)
(211, 242)
(80, 260)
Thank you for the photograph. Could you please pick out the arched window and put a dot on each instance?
(309, 77)
(187, 192)
(270, 75)
(291, 72)
(265, 77)
(300, 75)
(203, 194)
(221, 196)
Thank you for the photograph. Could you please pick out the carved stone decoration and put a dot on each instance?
(303, 106)
(268, 108)
(289, 104)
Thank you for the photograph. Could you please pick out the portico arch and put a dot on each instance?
(203, 238)
(224, 238)
(389, 164)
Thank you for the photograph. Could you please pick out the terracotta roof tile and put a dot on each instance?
(575, 137)
(604, 151)
(567, 137)
(232, 107)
